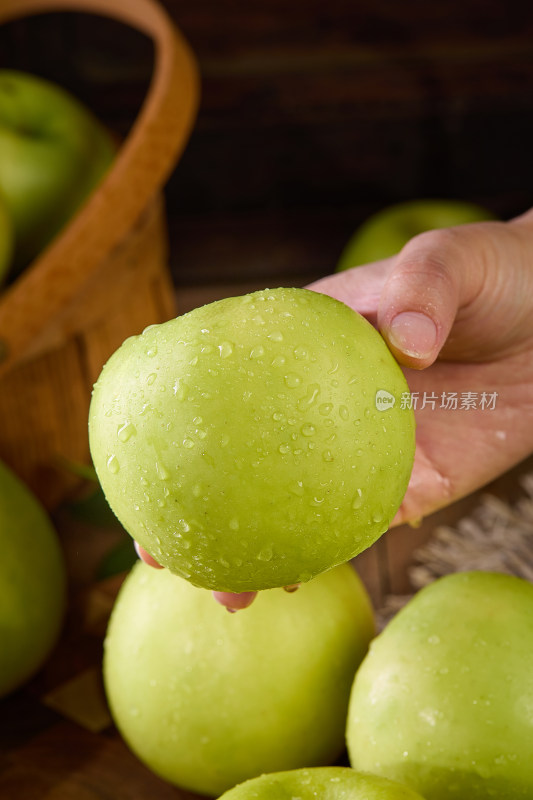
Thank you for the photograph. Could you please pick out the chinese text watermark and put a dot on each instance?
(447, 401)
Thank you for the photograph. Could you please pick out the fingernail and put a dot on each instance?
(413, 333)
(231, 610)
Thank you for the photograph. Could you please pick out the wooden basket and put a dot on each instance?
(101, 280)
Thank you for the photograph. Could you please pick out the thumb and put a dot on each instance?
(446, 295)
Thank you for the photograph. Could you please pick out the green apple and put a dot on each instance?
(209, 699)
(32, 583)
(53, 152)
(6, 239)
(327, 783)
(444, 700)
(386, 232)
(254, 442)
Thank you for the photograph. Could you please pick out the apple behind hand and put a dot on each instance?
(444, 700)
(385, 233)
(245, 445)
(53, 152)
(208, 699)
(32, 583)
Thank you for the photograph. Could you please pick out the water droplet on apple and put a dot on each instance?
(151, 351)
(257, 352)
(276, 336)
(344, 413)
(325, 409)
(265, 554)
(188, 443)
(300, 353)
(313, 390)
(284, 448)
(278, 361)
(297, 488)
(181, 389)
(113, 465)
(308, 429)
(357, 501)
(151, 378)
(162, 471)
(225, 349)
(327, 455)
(126, 431)
(234, 524)
(292, 380)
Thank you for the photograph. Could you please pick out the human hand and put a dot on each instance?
(456, 309)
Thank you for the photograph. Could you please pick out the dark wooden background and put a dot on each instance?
(313, 115)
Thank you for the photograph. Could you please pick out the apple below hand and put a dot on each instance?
(326, 783)
(208, 699)
(443, 701)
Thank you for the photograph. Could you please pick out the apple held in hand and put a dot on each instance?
(443, 702)
(32, 583)
(386, 232)
(208, 699)
(53, 152)
(242, 444)
(326, 783)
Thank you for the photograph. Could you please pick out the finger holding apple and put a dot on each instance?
(53, 152)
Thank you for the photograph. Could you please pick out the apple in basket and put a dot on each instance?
(53, 152)
(254, 442)
(385, 233)
(32, 583)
